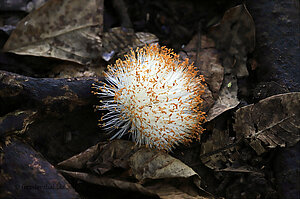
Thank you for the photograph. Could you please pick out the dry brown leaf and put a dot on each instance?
(109, 182)
(167, 191)
(63, 29)
(150, 164)
(242, 169)
(235, 38)
(79, 161)
(272, 122)
(235, 34)
(119, 41)
(207, 59)
(144, 164)
(227, 98)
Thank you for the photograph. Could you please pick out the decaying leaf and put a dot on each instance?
(63, 29)
(110, 182)
(235, 35)
(149, 164)
(219, 151)
(227, 98)
(71, 70)
(235, 38)
(145, 165)
(201, 51)
(79, 161)
(272, 122)
(203, 54)
(118, 41)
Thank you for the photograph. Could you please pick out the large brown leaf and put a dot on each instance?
(63, 29)
(235, 37)
(235, 34)
(158, 173)
(272, 122)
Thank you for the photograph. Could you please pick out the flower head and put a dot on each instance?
(154, 96)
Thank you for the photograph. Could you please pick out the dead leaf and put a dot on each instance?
(219, 151)
(271, 122)
(119, 41)
(242, 169)
(109, 182)
(202, 52)
(71, 70)
(79, 161)
(63, 29)
(150, 164)
(227, 98)
(150, 167)
(207, 59)
(235, 35)
(168, 191)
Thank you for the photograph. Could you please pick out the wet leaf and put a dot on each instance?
(63, 29)
(119, 40)
(79, 161)
(271, 122)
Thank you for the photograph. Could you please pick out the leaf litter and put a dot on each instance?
(75, 33)
(140, 167)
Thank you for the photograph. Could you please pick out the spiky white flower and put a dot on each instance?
(154, 96)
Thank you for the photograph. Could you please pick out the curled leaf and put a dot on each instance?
(271, 122)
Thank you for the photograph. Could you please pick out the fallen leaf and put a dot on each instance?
(79, 161)
(152, 168)
(63, 29)
(235, 35)
(119, 41)
(109, 182)
(227, 98)
(201, 51)
(150, 164)
(272, 122)
(219, 150)
(208, 63)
